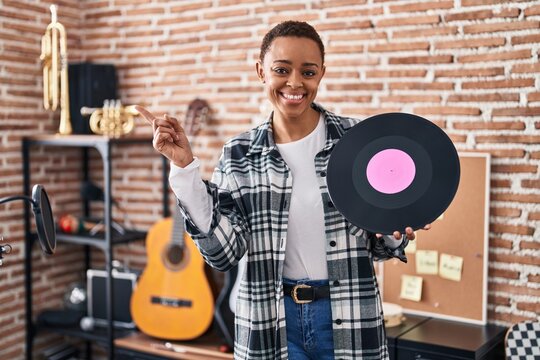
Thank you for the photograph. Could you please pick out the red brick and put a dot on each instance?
(411, 98)
(327, 4)
(512, 229)
(500, 26)
(497, 84)
(470, 43)
(499, 300)
(505, 153)
(491, 125)
(524, 111)
(469, 15)
(422, 6)
(421, 86)
(530, 183)
(533, 10)
(354, 12)
(495, 97)
(424, 45)
(534, 216)
(529, 306)
(409, 20)
(396, 73)
(529, 245)
(435, 59)
(509, 55)
(515, 259)
(505, 212)
(446, 110)
(500, 183)
(518, 168)
(425, 33)
(526, 68)
(526, 39)
(502, 273)
(534, 278)
(496, 242)
(523, 198)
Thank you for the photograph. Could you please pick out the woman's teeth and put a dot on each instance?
(292, 97)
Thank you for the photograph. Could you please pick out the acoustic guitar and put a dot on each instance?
(173, 299)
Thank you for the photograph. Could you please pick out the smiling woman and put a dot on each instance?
(291, 81)
(308, 288)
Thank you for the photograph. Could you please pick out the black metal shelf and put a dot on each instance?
(97, 335)
(98, 240)
(104, 241)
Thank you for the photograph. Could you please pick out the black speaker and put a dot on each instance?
(89, 85)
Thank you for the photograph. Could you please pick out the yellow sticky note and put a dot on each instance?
(427, 262)
(451, 267)
(411, 287)
(411, 246)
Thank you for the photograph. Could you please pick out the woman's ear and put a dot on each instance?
(260, 71)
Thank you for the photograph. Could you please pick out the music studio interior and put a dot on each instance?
(95, 262)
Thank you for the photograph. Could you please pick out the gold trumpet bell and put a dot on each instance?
(55, 82)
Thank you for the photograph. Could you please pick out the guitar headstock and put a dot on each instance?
(197, 114)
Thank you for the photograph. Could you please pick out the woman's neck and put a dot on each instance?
(291, 129)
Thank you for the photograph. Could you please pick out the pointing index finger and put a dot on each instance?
(146, 114)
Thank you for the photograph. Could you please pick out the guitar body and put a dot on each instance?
(173, 299)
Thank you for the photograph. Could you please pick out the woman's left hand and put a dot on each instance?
(408, 231)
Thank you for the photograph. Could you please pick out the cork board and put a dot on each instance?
(463, 232)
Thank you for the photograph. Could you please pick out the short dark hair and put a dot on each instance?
(291, 28)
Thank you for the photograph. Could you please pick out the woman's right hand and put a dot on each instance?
(170, 139)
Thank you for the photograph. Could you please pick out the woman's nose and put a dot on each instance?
(295, 80)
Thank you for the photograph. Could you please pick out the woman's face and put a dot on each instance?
(291, 70)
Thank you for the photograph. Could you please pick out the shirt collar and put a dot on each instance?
(263, 138)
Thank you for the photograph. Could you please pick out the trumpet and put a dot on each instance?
(112, 119)
(52, 43)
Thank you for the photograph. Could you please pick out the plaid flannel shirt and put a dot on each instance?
(251, 191)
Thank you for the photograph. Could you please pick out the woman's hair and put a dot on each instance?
(291, 28)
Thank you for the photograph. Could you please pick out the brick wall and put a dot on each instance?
(471, 66)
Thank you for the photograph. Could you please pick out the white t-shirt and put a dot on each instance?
(305, 251)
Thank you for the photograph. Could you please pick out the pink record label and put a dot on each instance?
(390, 171)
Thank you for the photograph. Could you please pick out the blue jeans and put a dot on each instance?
(309, 326)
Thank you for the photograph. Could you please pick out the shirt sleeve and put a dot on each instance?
(225, 241)
(189, 188)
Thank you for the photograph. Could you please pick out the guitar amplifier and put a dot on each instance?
(123, 285)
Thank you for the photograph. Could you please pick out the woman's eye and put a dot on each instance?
(309, 73)
(280, 70)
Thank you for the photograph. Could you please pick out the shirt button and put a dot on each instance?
(323, 173)
(332, 243)
(336, 282)
(338, 321)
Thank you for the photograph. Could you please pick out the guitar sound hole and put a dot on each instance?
(175, 254)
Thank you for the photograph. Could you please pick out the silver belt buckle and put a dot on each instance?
(294, 295)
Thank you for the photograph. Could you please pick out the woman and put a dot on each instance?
(309, 289)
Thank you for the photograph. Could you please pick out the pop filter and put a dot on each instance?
(43, 215)
(44, 219)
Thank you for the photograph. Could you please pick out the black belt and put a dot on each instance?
(303, 294)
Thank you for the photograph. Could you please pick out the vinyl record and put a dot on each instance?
(391, 171)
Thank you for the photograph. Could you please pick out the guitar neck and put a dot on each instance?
(177, 236)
